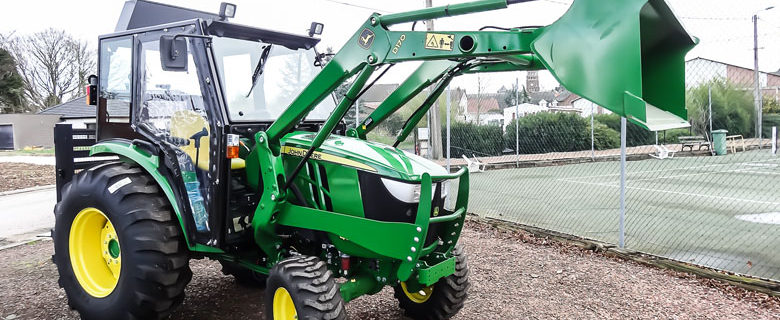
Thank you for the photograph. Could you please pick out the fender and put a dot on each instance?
(128, 152)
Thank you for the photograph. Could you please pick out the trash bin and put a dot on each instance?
(719, 141)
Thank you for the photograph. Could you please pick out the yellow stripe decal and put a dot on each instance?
(299, 152)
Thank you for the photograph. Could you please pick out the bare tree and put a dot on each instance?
(482, 84)
(53, 66)
(84, 62)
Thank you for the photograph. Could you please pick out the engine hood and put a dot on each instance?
(362, 155)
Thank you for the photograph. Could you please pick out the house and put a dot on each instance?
(701, 70)
(18, 131)
(81, 115)
(585, 107)
(21, 130)
(522, 110)
(483, 108)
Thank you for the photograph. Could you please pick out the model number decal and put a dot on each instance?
(439, 41)
(399, 43)
(299, 152)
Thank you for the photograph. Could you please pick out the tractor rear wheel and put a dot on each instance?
(118, 247)
(244, 276)
(440, 301)
(302, 287)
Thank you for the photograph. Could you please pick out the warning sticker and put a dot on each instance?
(439, 41)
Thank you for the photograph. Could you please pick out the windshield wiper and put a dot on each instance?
(259, 68)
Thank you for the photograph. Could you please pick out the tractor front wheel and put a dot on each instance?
(440, 301)
(302, 287)
(118, 247)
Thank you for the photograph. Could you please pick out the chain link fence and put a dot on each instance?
(706, 195)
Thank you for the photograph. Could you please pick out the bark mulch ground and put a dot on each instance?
(513, 276)
(22, 175)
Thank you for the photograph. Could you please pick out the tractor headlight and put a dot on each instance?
(406, 192)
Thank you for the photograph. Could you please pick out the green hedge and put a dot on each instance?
(550, 132)
(471, 139)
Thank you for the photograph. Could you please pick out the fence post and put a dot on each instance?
(517, 123)
(621, 226)
(592, 136)
(63, 155)
(448, 128)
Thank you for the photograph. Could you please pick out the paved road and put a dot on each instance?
(25, 215)
(40, 160)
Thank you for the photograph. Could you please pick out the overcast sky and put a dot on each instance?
(724, 26)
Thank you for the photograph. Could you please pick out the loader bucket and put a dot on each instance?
(625, 55)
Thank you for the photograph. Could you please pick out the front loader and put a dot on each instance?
(228, 144)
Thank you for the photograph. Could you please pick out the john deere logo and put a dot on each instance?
(435, 211)
(366, 39)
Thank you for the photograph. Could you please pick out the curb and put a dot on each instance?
(40, 237)
(31, 189)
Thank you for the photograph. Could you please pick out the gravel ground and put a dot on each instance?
(513, 276)
(17, 175)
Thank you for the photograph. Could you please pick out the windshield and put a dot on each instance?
(285, 73)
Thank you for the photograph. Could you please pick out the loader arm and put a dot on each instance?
(627, 30)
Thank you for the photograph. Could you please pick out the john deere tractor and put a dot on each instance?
(225, 141)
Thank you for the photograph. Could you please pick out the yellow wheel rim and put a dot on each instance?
(95, 254)
(420, 296)
(284, 308)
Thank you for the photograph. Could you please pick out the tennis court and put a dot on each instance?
(721, 212)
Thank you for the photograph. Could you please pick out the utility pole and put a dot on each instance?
(757, 94)
(434, 134)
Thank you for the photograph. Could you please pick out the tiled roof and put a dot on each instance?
(78, 108)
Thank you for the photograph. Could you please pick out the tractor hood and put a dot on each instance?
(362, 155)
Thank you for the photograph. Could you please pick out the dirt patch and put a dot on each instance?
(513, 276)
(22, 175)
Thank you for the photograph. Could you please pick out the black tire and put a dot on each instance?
(311, 286)
(447, 297)
(154, 258)
(244, 276)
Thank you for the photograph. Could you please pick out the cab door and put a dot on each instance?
(179, 107)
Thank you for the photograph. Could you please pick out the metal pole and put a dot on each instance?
(448, 129)
(710, 106)
(757, 81)
(517, 123)
(434, 132)
(709, 93)
(774, 141)
(592, 136)
(621, 226)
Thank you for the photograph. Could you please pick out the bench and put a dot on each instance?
(734, 141)
(691, 141)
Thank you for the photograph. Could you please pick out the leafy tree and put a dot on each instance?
(732, 108)
(11, 85)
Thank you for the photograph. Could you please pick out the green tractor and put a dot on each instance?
(225, 142)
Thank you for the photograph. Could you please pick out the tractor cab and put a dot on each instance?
(195, 92)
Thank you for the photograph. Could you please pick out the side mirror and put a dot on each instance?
(315, 29)
(173, 53)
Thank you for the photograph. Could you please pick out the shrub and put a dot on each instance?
(604, 137)
(635, 135)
